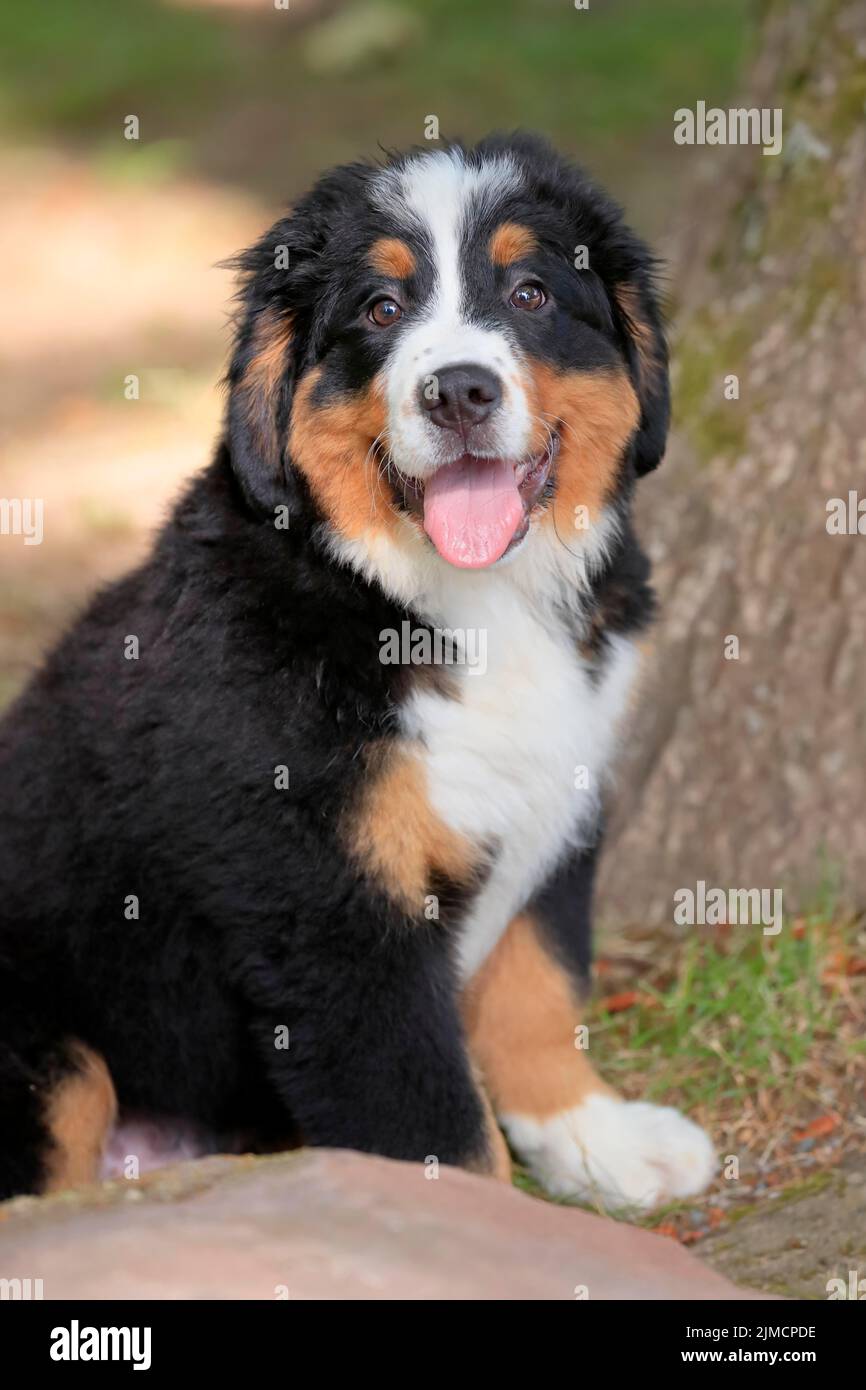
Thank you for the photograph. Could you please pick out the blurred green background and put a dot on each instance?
(249, 93)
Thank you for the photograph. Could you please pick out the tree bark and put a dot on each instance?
(750, 771)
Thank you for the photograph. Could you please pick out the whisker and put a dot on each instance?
(561, 424)
(368, 461)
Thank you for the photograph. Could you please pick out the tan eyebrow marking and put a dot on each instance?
(392, 257)
(511, 242)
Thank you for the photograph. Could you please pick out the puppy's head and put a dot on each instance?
(460, 349)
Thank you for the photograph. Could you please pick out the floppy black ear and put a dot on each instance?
(264, 362)
(261, 377)
(282, 280)
(647, 345)
(276, 289)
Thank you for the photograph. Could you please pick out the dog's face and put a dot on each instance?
(458, 350)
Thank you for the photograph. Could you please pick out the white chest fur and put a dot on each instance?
(519, 759)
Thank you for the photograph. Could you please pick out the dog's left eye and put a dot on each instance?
(528, 297)
(385, 312)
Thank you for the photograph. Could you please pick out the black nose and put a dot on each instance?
(459, 397)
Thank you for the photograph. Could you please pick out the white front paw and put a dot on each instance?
(619, 1153)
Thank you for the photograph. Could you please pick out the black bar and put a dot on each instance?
(246, 1339)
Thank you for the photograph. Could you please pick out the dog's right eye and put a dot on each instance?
(528, 296)
(384, 312)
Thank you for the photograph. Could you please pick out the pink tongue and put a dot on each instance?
(472, 508)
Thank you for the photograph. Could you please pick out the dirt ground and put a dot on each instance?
(797, 1240)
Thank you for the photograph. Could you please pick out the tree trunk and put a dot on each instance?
(745, 763)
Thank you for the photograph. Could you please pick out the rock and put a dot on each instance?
(327, 1224)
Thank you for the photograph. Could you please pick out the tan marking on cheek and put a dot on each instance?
(258, 388)
(393, 258)
(521, 1013)
(511, 242)
(79, 1116)
(396, 834)
(330, 444)
(644, 338)
(599, 412)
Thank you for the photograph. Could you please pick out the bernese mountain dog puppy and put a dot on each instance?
(299, 820)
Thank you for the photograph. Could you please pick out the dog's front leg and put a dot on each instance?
(362, 1039)
(524, 1016)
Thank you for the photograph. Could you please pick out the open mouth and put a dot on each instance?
(477, 509)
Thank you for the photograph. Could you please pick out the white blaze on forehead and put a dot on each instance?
(439, 195)
(436, 192)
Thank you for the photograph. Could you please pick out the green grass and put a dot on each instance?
(236, 85)
(739, 1016)
(748, 1035)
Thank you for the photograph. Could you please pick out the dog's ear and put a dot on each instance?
(643, 331)
(261, 378)
(281, 291)
(276, 290)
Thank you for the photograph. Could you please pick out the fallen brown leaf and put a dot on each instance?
(824, 1124)
(617, 1003)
